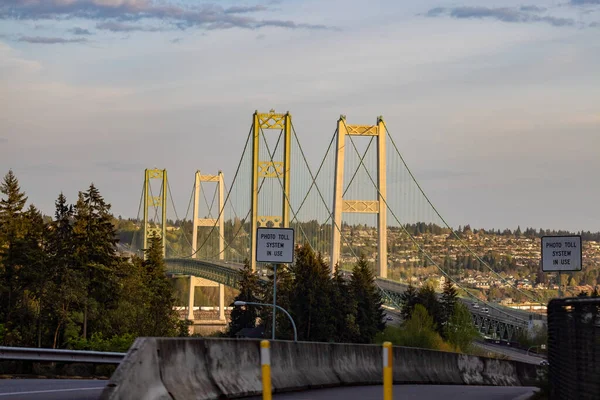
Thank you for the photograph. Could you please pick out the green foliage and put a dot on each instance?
(117, 343)
(61, 280)
(419, 331)
(448, 303)
(245, 317)
(369, 316)
(325, 308)
(460, 331)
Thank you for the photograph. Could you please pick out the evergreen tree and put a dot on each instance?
(427, 297)
(448, 302)
(245, 317)
(285, 284)
(95, 252)
(162, 319)
(346, 308)
(12, 231)
(311, 297)
(66, 283)
(408, 300)
(369, 315)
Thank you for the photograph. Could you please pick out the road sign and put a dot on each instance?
(561, 253)
(275, 245)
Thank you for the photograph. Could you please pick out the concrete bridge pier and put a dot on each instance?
(201, 282)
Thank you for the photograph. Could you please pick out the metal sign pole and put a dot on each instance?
(559, 285)
(274, 298)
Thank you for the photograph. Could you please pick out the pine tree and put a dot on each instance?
(346, 308)
(66, 283)
(448, 302)
(245, 317)
(370, 311)
(162, 319)
(311, 297)
(408, 300)
(95, 252)
(427, 297)
(12, 231)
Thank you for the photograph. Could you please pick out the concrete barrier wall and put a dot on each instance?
(203, 369)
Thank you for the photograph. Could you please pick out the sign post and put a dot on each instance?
(276, 246)
(561, 253)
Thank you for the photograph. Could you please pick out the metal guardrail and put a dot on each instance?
(55, 355)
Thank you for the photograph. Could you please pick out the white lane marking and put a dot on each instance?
(50, 391)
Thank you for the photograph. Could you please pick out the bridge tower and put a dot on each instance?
(155, 202)
(270, 169)
(219, 222)
(378, 206)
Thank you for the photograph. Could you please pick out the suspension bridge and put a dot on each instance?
(362, 198)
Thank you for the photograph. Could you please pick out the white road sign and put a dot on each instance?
(561, 253)
(275, 245)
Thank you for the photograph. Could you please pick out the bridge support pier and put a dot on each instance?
(194, 282)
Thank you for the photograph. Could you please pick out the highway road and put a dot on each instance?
(70, 389)
(421, 392)
(513, 354)
(50, 389)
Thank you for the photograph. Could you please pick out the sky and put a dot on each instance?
(494, 105)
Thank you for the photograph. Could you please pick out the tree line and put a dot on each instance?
(325, 307)
(63, 284)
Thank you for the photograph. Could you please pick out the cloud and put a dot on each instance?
(3, 139)
(208, 16)
(176, 40)
(504, 14)
(124, 27)
(49, 40)
(244, 10)
(584, 2)
(80, 31)
(532, 9)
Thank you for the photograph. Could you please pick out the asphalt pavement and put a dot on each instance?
(421, 392)
(513, 354)
(50, 389)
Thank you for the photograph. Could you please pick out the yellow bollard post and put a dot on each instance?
(388, 379)
(265, 362)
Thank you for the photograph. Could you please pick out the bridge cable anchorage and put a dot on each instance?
(343, 237)
(461, 241)
(425, 253)
(227, 197)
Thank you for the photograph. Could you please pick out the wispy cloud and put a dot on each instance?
(114, 26)
(584, 2)
(208, 16)
(80, 31)
(49, 40)
(176, 40)
(525, 14)
(531, 8)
